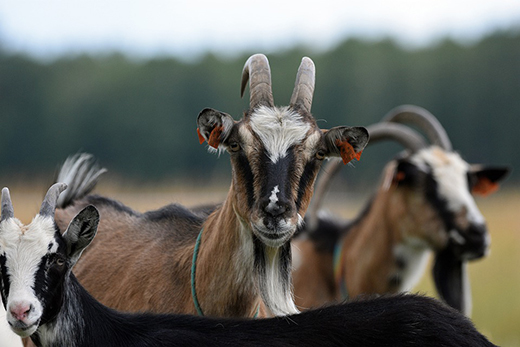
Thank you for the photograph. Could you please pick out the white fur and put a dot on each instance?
(414, 253)
(244, 258)
(273, 199)
(450, 172)
(284, 229)
(297, 257)
(279, 301)
(278, 129)
(24, 247)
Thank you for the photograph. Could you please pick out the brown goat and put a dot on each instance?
(244, 255)
(423, 204)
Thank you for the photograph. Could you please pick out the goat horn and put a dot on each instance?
(7, 205)
(51, 199)
(304, 85)
(257, 71)
(406, 136)
(424, 120)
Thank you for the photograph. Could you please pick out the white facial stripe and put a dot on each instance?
(278, 129)
(450, 172)
(24, 247)
(273, 198)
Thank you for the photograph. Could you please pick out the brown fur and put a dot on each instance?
(160, 277)
(369, 262)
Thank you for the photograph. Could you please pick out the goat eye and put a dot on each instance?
(320, 155)
(60, 262)
(234, 146)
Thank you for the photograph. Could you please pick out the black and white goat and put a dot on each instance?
(44, 300)
(242, 250)
(424, 203)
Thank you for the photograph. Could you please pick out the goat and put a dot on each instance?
(423, 203)
(44, 301)
(241, 250)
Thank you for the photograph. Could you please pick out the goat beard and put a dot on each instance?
(273, 269)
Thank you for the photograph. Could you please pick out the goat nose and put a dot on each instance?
(275, 208)
(20, 311)
(478, 229)
(275, 204)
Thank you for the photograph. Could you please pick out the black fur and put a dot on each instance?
(402, 320)
(4, 281)
(327, 233)
(309, 173)
(98, 200)
(244, 170)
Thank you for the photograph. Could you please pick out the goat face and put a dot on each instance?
(441, 183)
(34, 261)
(275, 156)
(32, 267)
(276, 151)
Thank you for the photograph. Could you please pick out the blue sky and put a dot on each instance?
(143, 28)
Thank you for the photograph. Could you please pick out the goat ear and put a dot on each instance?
(405, 172)
(214, 126)
(452, 281)
(346, 142)
(484, 180)
(81, 232)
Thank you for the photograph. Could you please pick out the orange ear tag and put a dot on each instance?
(347, 151)
(201, 138)
(485, 187)
(214, 137)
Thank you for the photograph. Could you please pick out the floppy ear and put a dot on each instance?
(484, 180)
(214, 126)
(81, 232)
(452, 281)
(346, 142)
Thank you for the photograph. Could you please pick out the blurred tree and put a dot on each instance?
(138, 118)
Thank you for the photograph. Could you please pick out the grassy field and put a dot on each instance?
(495, 280)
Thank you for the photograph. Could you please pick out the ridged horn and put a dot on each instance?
(402, 134)
(257, 71)
(51, 198)
(304, 85)
(7, 205)
(424, 120)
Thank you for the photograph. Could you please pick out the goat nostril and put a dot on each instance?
(21, 312)
(275, 209)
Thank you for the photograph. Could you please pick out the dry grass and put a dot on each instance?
(495, 280)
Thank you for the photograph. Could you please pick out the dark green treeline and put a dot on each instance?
(138, 118)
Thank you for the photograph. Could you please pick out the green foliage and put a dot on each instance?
(138, 118)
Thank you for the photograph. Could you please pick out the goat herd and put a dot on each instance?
(225, 275)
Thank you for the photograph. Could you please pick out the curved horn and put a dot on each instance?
(424, 120)
(402, 134)
(304, 85)
(257, 71)
(7, 205)
(51, 198)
